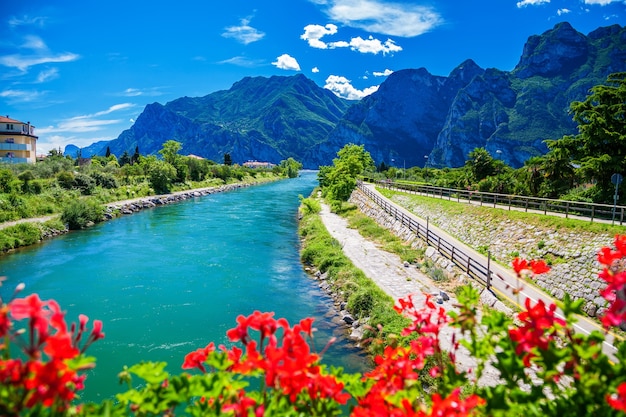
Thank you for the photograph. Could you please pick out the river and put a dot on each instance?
(168, 280)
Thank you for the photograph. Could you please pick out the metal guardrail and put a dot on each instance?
(465, 262)
(591, 211)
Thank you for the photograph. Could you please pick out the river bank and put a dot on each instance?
(48, 227)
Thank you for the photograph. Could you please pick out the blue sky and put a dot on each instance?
(83, 71)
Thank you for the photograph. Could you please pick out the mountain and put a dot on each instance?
(265, 119)
(415, 118)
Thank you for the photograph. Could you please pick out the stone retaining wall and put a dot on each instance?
(129, 207)
(574, 267)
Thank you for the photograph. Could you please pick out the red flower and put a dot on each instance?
(618, 400)
(539, 267)
(606, 256)
(535, 266)
(5, 322)
(620, 244)
(537, 331)
(519, 265)
(32, 308)
(196, 358)
(453, 405)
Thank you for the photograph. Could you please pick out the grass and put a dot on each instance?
(371, 230)
(364, 297)
(452, 208)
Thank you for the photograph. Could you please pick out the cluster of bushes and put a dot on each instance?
(77, 187)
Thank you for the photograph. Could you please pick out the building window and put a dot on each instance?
(9, 127)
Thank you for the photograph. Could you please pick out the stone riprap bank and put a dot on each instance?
(574, 272)
(135, 205)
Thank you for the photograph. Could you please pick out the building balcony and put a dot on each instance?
(14, 147)
(13, 160)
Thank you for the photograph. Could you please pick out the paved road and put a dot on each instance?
(505, 283)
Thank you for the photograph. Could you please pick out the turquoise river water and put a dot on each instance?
(168, 280)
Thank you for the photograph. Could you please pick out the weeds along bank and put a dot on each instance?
(82, 213)
(352, 291)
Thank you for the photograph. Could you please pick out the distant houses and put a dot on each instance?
(18, 143)
(257, 164)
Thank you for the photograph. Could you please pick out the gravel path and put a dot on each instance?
(387, 270)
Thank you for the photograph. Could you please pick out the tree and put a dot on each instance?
(290, 167)
(125, 159)
(6, 180)
(338, 181)
(136, 156)
(227, 159)
(600, 146)
(26, 177)
(108, 152)
(162, 175)
(480, 164)
(170, 151)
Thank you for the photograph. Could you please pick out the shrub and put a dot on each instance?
(361, 303)
(84, 183)
(104, 180)
(66, 180)
(79, 213)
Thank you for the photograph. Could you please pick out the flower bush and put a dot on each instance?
(545, 368)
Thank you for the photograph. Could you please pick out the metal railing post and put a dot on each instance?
(488, 269)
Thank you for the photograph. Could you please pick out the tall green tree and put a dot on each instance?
(228, 161)
(339, 180)
(136, 155)
(600, 146)
(480, 164)
(170, 150)
(290, 167)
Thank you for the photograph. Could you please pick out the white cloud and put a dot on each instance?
(26, 20)
(242, 61)
(525, 3)
(396, 19)
(385, 73)
(88, 122)
(315, 70)
(47, 75)
(38, 54)
(47, 143)
(343, 88)
(34, 42)
(286, 62)
(373, 46)
(24, 62)
(243, 33)
(313, 33)
(22, 96)
(136, 92)
(563, 11)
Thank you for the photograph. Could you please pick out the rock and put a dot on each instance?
(357, 333)
(487, 298)
(347, 318)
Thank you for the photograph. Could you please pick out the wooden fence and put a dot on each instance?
(473, 268)
(574, 209)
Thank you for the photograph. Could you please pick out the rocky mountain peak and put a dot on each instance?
(554, 52)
